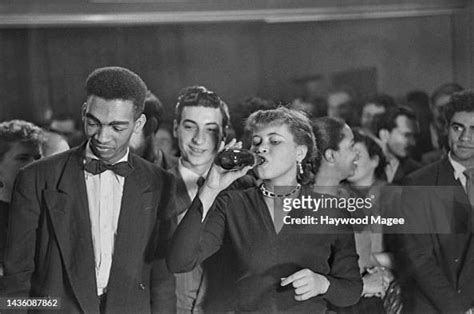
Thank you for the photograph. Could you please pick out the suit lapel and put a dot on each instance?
(460, 215)
(399, 174)
(136, 213)
(69, 212)
(457, 202)
(445, 174)
(182, 197)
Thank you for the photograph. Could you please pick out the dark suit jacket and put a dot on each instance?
(49, 248)
(438, 248)
(182, 198)
(195, 277)
(406, 167)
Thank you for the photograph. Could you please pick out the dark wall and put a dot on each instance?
(129, 6)
(43, 67)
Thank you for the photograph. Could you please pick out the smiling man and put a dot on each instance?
(200, 124)
(396, 130)
(89, 226)
(439, 249)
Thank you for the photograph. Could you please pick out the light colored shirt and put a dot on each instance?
(104, 196)
(458, 171)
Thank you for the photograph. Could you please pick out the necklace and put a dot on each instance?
(271, 194)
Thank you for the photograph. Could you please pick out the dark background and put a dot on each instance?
(236, 48)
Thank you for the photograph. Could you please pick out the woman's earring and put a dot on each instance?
(300, 167)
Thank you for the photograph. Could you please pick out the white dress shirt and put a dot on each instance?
(104, 196)
(458, 171)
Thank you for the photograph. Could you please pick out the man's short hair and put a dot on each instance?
(445, 89)
(373, 148)
(19, 131)
(117, 83)
(388, 120)
(153, 112)
(200, 96)
(460, 101)
(382, 100)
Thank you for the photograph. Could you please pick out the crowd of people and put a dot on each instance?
(120, 223)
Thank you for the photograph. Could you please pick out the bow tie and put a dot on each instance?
(95, 166)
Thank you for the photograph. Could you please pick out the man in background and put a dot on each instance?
(143, 143)
(396, 130)
(438, 100)
(377, 105)
(342, 105)
(438, 244)
(200, 123)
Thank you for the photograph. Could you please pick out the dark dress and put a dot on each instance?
(264, 257)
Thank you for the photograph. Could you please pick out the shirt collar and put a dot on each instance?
(90, 154)
(458, 168)
(394, 162)
(187, 174)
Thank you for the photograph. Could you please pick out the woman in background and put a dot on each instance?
(336, 157)
(339, 159)
(20, 144)
(282, 267)
(374, 262)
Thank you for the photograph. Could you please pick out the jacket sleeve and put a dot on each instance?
(19, 261)
(163, 283)
(195, 240)
(345, 286)
(163, 286)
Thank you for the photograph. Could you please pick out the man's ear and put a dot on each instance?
(375, 161)
(384, 134)
(83, 111)
(175, 128)
(140, 123)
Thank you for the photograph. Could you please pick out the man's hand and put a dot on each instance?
(307, 284)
